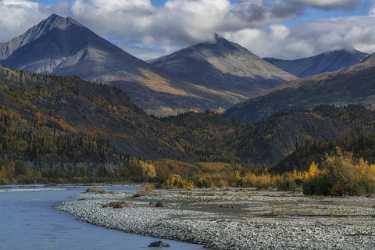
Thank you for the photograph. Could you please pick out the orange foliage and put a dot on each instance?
(62, 124)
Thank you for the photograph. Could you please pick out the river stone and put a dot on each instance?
(158, 243)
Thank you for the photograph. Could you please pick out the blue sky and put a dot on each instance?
(277, 28)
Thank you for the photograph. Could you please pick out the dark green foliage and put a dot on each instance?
(362, 146)
(207, 136)
(288, 184)
(341, 175)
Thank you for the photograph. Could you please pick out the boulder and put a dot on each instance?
(158, 243)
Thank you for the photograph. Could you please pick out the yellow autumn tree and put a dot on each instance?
(313, 171)
(148, 170)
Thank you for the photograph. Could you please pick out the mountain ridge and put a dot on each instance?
(62, 46)
(225, 64)
(329, 61)
(353, 85)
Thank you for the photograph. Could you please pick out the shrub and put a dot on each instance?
(340, 174)
(287, 184)
(176, 181)
(148, 187)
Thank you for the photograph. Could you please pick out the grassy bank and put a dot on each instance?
(338, 174)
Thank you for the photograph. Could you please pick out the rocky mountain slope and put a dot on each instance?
(354, 85)
(224, 66)
(62, 46)
(322, 63)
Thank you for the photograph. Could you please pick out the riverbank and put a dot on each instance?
(235, 218)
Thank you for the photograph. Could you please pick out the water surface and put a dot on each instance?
(28, 220)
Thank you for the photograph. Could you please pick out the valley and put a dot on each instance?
(233, 125)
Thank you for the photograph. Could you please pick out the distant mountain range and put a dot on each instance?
(322, 63)
(354, 85)
(227, 73)
(224, 66)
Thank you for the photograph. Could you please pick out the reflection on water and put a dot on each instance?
(28, 220)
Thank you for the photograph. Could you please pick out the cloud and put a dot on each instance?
(309, 38)
(258, 10)
(179, 23)
(372, 9)
(16, 16)
(147, 30)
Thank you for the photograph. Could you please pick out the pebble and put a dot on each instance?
(199, 227)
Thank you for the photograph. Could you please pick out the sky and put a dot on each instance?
(150, 28)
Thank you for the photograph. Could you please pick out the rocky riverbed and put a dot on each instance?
(235, 218)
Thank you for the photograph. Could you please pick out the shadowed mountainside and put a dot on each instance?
(354, 85)
(224, 66)
(322, 63)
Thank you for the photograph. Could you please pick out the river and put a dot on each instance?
(28, 220)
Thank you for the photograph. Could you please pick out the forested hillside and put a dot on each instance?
(77, 106)
(68, 128)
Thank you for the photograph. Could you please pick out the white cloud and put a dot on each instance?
(16, 16)
(309, 38)
(278, 41)
(148, 30)
(177, 23)
(255, 24)
(372, 9)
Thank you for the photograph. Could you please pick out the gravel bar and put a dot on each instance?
(236, 219)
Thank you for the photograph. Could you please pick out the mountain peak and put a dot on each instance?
(59, 22)
(54, 17)
(220, 40)
(53, 22)
(328, 61)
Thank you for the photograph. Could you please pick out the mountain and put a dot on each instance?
(271, 142)
(355, 85)
(62, 46)
(54, 121)
(224, 66)
(64, 110)
(322, 63)
(274, 141)
(71, 105)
